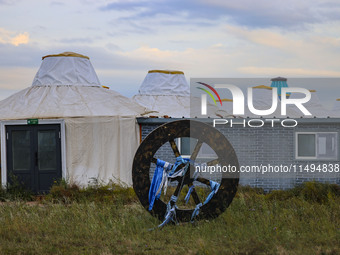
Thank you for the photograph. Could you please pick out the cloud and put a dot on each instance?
(167, 13)
(289, 13)
(8, 2)
(314, 52)
(126, 5)
(27, 55)
(57, 3)
(13, 38)
(327, 40)
(265, 37)
(15, 78)
(214, 60)
(130, 26)
(124, 70)
(296, 72)
(261, 13)
(77, 40)
(22, 38)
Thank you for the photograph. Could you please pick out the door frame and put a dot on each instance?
(5, 123)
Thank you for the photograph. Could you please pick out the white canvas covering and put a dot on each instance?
(164, 82)
(227, 105)
(212, 110)
(165, 93)
(336, 109)
(67, 101)
(67, 68)
(102, 134)
(101, 148)
(314, 106)
(262, 100)
(167, 105)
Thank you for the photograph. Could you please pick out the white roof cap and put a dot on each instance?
(164, 82)
(336, 108)
(68, 68)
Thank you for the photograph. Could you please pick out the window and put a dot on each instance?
(316, 145)
(186, 146)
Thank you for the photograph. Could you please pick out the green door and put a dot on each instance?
(34, 155)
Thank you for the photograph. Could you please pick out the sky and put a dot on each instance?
(203, 38)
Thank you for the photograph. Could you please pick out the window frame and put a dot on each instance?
(178, 143)
(297, 157)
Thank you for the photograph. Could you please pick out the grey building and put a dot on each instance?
(278, 151)
(275, 157)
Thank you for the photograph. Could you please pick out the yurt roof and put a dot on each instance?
(262, 100)
(67, 68)
(336, 108)
(165, 92)
(66, 85)
(314, 106)
(164, 82)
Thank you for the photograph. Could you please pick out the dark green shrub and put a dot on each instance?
(15, 191)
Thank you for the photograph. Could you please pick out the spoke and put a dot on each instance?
(203, 180)
(174, 148)
(196, 150)
(179, 187)
(195, 195)
(178, 190)
(213, 162)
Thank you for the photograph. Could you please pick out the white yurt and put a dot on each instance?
(66, 125)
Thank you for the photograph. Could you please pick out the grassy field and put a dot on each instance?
(110, 220)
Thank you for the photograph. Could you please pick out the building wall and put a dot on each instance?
(268, 146)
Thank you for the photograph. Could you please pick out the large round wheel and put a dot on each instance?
(201, 135)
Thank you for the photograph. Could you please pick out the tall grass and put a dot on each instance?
(109, 220)
(15, 192)
(94, 192)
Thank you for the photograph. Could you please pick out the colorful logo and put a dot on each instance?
(209, 93)
(238, 99)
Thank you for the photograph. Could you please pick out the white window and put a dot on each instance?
(186, 146)
(316, 145)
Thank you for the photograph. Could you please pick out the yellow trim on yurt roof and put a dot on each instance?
(312, 90)
(226, 100)
(105, 87)
(263, 87)
(338, 99)
(166, 71)
(66, 54)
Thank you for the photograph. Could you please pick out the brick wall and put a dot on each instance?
(267, 145)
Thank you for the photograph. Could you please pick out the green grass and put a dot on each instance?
(109, 220)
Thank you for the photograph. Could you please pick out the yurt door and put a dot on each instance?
(34, 155)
